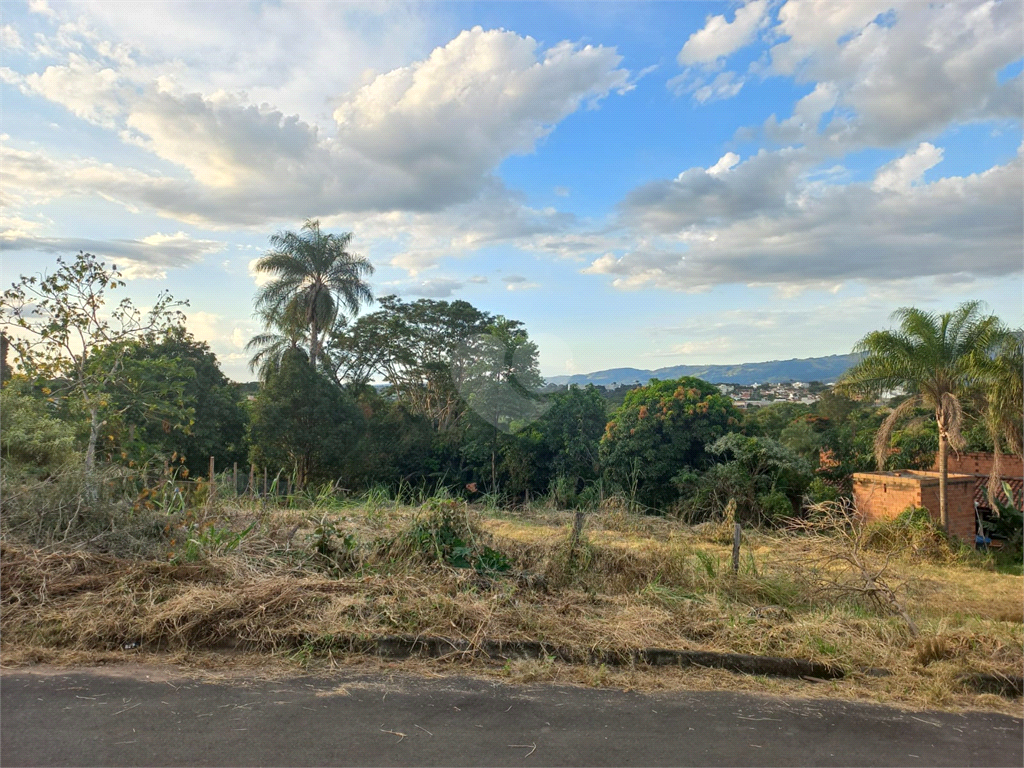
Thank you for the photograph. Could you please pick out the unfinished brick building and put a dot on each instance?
(883, 495)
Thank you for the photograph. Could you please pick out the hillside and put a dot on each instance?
(823, 369)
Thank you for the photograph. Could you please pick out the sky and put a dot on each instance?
(641, 184)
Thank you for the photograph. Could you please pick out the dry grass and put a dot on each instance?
(628, 583)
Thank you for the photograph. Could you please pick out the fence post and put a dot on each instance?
(252, 480)
(211, 477)
(236, 478)
(737, 532)
(264, 482)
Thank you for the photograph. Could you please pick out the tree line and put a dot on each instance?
(430, 394)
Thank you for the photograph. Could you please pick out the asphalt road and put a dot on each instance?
(143, 716)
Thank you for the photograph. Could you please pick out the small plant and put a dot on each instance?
(205, 539)
(708, 562)
(329, 542)
(445, 533)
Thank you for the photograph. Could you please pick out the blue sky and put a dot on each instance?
(642, 184)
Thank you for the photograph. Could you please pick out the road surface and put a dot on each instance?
(147, 716)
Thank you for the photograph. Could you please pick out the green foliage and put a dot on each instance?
(63, 319)
(208, 397)
(444, 532)
(302, 422)
(771, 420)
(203, 540)
(766, 479)
(1008, 522)
(313, 274)
(658, 431)
(422, 349)
(32, 438)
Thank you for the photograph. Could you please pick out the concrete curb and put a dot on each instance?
(1003, 685)
(404, 646)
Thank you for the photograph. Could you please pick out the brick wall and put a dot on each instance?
(1010, 467)
(884, 495)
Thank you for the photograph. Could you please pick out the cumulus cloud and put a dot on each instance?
(146, 258)
(741, 228)
(719, 38)
(419, 138)
(897, 71)
(727, 191)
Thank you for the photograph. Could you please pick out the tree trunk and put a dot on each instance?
(313, 338)
(94, 433)
(943, 472)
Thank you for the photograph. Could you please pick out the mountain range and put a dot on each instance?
(824, 369)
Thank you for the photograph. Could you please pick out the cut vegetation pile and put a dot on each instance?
(307, 585)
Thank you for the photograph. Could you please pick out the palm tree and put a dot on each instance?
(940, 360)
(314, 272)
(281, 332)
(1002, 402)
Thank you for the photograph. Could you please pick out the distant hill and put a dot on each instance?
(822, 369)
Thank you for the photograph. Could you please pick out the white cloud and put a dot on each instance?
(10, 39)
(419, 138)
(728, 191)
(725, 164)
(898, 175)
(719, 38)
(146, 258)
(898, 71)
(744, 227)
(259, 278)
(42, 8)
(518, 283)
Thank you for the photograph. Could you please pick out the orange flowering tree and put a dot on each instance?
(659, 430)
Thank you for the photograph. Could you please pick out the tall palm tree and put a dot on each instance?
(939, 359)
(313, 273)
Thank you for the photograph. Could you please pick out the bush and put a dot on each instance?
(32, 439)
(445, 532)
(97, 509)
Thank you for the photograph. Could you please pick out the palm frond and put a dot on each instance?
(883, 438)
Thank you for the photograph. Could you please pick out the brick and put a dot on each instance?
(884, 495)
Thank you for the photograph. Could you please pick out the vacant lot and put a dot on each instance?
(245, 585)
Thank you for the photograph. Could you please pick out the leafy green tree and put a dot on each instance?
(938, 359)
(303, 423)
(501, 382)
(313, 274)
(213, 402)
(661, 429)
(771, 420)
(58, 323)
(422, 349)
(571, 428)
(395, 448)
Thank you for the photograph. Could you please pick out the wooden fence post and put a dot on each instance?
(211, 477)
(264, 482)
(236, 478)
(736, 533)
(252, 480)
